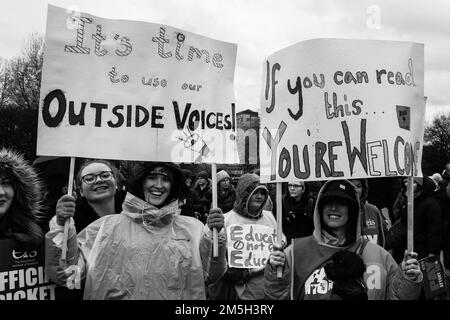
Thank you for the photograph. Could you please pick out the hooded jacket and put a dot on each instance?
(248, 283)
(306, 258)
(20, 221)
(373, 226)
(143, 253)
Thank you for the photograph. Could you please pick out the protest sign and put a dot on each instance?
(334, 109)
(22, 275)
(133, 90)
(249, 245)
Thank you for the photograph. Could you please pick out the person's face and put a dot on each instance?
(296, 189)
(335, 213)
(6, 195)
(358, 185)
(97, 182)
(157, 187)
(188, 182)
(225, 183)
(202, 182)
(257, 199)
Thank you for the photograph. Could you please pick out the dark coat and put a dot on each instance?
(427, 224)
(298, 216)
(85, 214)
(225, 199)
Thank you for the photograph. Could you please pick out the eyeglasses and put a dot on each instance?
(91, 178)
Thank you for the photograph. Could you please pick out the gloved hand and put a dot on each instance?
(215, 219)
(65, 209)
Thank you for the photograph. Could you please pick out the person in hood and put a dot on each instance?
(427, 219)
(248, 210)
(337, 223)
(149, 251)
(21, 196)
(373, 225)
(226, 194)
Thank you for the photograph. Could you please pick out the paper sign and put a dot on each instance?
(133, 90)
(249, 245)
(334, 109)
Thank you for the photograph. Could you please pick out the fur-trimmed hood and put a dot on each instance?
(28, 197)
(247, 185)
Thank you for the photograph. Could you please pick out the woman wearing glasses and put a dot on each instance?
(99, 195)
(148, 251)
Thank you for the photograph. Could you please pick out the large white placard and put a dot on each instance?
(333, 109)
(133, 90)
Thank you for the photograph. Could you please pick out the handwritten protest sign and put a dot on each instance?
(132, 90)
(249, 245)
(22, 275)
(333, 109)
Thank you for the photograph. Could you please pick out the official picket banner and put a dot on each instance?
(22, 275)
(337, 108)
(249, 245)
(132, 90)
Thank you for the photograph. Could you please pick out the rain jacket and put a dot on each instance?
(307, 256)
(248, 283)
(142, 253)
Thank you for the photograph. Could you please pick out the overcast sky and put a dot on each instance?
(261, 27)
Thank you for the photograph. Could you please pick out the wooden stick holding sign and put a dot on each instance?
(66, 223)
(410, 224)
(214, 205)
(279, 223)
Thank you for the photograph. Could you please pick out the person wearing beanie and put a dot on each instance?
(148, 251)
(305, 271)
(226, 195)
(204, 191)
(248, 210)
(298, 207)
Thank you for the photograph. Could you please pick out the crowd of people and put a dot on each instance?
(153, 239)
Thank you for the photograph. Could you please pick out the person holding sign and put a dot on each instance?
(97, 180)
(250, 237)
(149, 251)
(21, 195)
(337, 227)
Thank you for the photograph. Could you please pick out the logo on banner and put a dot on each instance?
(23, 254)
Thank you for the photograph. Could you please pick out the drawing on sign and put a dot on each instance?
(404, 117)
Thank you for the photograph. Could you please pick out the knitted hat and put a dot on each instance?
(203, 174)
(222, 175)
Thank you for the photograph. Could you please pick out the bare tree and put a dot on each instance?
(437, 144)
